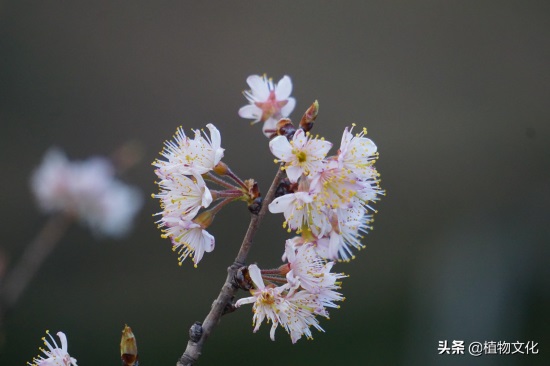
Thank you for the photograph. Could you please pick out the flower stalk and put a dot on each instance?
(228, 290)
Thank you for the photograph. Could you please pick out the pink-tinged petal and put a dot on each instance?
(284, 88)
(269, 127)
(251, 111)
(281, 148)
(272, 331)
(290, 251)
(288, 108)
(209, 241)
(259, 87)
(63, 338)
(245, 300)
(299, 139)
(333, 246)
(256, 276)
(281, 204)
(294, 172)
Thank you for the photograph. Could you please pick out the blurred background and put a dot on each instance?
(455, 94)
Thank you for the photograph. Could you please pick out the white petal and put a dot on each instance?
(294, 172)
(215, 137)
(320, 148)
(288, 108)
(256, 276)
(370, 146)
(284, 88)
(272, 331)
(269, 127)
(251, 111)
(290, 251)
(209, 241)
(280, 204)
(63, 339)
(246, 300)
(259, 87)
(281, 148)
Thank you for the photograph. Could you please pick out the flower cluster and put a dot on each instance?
(325, 200)
(87, 190)
(330, 202)
(307, 289)
(183, 191)
(54, 355)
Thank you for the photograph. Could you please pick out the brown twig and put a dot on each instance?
(228, 290)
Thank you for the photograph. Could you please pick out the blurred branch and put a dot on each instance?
(37, 251)
(199, 332)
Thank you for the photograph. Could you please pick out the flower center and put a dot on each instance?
(301, 156)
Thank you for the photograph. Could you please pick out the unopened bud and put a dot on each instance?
(307, 120)
(242, 279)
(253, 190)
(221, 168)
(128, 348)
(285, 128)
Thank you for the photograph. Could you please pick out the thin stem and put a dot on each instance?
(214, 210)
(237, 180)
(219, 181)
(275, 279)
(227, 193)
(276, 271)
(194, 348)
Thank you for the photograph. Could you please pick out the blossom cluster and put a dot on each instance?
(87, 190)
(330, 202)
(184, 191)
(55, 355)
(326, 201)
(308, 288)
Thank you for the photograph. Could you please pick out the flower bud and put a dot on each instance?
(307, 120)
(285, 128)
(221, 168)
(128, 348)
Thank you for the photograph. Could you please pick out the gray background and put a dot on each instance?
(454, 93)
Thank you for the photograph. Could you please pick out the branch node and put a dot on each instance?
(195, 332)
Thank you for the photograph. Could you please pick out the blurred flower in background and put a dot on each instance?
(268, 102)
(87, 190)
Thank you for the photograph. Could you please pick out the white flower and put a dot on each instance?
(346, 234)
(189, 238)
(357, 153)
(283, 305)
(112, 213)
(301, 210)
(268, 301)
(88, 190)
(336, 186)
(305, 265)
(268, 102)
(51, 182)
(55, 355)
(183, 196)
(191, 156)
(302, 155)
